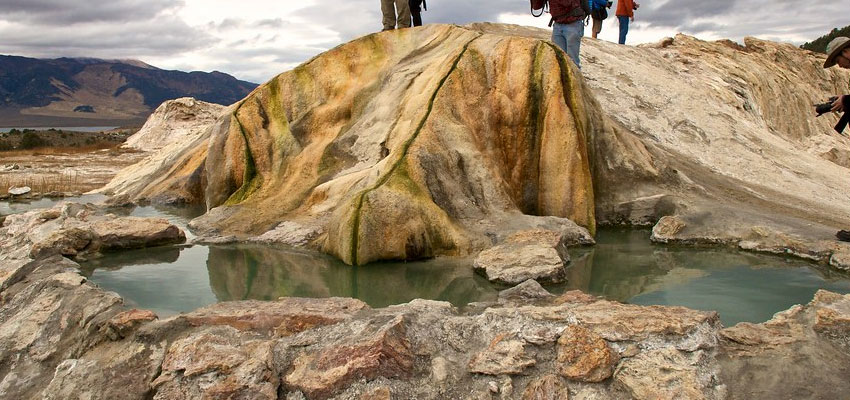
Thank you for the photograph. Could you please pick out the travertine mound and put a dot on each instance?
(732, 135)
(446, 140)
(175, 127)
(400, 145)
(173, 121)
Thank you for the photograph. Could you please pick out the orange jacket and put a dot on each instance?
(625, 8)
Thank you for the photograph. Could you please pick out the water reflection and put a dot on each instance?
(259, 272)
(624, 266)
(741, 286)
(144, 281)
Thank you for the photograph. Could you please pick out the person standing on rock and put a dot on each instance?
(568, 19)
(416, 7)
(390, 8)
(598, 7)
(625, 14)
(838, 53)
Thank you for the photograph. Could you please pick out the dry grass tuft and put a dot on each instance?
(52, 151)
(42, 184)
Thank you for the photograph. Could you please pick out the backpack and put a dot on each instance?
(599, 13)
(575, 13)
(539, 5)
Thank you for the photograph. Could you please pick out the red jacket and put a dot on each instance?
(568, 11)
(625, 8)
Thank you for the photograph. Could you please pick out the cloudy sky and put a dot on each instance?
(257, 39)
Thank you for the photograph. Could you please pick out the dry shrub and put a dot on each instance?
(50, 151)
(42, 184)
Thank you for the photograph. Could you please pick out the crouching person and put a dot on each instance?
(838, 53)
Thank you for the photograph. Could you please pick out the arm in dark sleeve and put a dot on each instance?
(845, 118)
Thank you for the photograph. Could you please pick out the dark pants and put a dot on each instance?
(624, 28)
(416, 12)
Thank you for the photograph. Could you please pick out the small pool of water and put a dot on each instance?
(623, 266)
(741, 286)
(177, 279)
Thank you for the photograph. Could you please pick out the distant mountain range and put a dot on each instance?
(89, 91)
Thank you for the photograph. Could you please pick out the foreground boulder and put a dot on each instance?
(80, 231)
(65, 338)
(540, 255)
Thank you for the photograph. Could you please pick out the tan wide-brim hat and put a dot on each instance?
(834, 48)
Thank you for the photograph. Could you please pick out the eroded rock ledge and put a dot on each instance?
(80, 231)
(65, 338)
(688, 230)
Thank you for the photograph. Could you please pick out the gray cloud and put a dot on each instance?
(253, 64)
(161, 36)
(464, 12)
(82, 11)
(735, 19)
(364, 16)
(152, 28)
(675, 13)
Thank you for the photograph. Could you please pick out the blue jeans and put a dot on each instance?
(568, 38)
(624, 28)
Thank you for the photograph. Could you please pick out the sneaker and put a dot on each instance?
(843, 236)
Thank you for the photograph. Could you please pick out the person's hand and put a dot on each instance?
(838, 104)
(633, 19)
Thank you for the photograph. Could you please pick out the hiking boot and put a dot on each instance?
(843, 236)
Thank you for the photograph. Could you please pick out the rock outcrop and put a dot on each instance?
(80, 231)
(538, 254)
(175, 127)
(726, 137)
(62, 337)
(174, 121)
(446, 140)
(400, 145)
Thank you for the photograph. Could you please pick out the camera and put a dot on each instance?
(826, 107)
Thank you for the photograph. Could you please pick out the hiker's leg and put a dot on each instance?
(574, 33)
(559, 36)
(597, 27)
(388, 9)
(416, 12)
(403, 9)
(624, 28)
